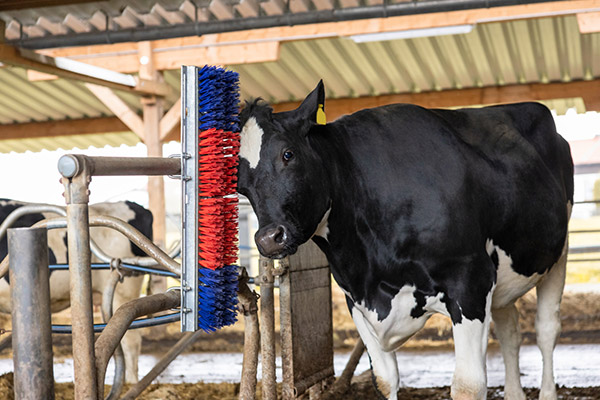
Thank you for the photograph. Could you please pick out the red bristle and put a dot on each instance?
(217, 203)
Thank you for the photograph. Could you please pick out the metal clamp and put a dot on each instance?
(184, 156)
(282, 268)
(115, 265)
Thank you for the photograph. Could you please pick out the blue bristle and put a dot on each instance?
(218, 101)
(217, 297)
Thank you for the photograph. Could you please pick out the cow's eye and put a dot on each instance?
(287, 155)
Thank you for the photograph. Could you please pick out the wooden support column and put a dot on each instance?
(153, 109)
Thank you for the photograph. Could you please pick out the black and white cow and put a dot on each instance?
(111, 242)
(421, 211)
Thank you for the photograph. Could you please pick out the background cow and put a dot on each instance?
(419, 212)
(111, 242)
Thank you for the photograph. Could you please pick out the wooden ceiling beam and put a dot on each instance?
(180, 52)
(170, 122)
(71, 69)
(35, 130)
(119, 108)
(260, 45)
(588, 90)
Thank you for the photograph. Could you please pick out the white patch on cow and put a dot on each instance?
(470, 344)
(399, 325)
(385, 366)
(510, 285)
(323, 227)
(250, 142)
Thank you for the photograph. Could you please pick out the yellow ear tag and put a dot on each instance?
(321, 118)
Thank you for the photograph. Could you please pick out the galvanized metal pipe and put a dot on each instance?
(108, 295)
(71, 165)
(82, 313)
(94, 248)
(132, 234)
(249, 307)
(267, 328)
(139, 239)
(118, 324)
(30, 295)
(187, 339)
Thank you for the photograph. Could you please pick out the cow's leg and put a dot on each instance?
(470, 347)
(547, 321)
(506, 321)
(383, 363)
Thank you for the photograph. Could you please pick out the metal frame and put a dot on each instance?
(189, 214)
(30, 290)
(90, 359)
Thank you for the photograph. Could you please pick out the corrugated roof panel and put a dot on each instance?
(250, 88)
(286, 77)
(339, 61)
(293, 60)
(313, 56)
(520, 33)
(89, 104)
(389, 67)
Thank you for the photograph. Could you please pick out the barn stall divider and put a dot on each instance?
(303, 279)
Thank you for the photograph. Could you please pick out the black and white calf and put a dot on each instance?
(421, 211)
(111, 242)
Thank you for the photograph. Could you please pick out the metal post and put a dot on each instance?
(30, 293)
(267, 327)
(78, 243)
(249, 307)
(82, 313)
(119, 323)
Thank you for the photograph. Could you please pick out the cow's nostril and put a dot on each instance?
(280, 235)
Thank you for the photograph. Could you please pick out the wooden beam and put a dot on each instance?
(588, 90)
(588, 22)
(84, 126)
(119, 108)
(170, 54)
(171, 121)
(260, 45)
(79, 71)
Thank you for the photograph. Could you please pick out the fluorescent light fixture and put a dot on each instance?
(412, 33)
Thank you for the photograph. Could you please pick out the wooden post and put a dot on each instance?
(153, 110)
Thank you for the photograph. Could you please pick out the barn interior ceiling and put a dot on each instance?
(441, 53)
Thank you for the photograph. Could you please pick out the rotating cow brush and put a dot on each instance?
(210, 140)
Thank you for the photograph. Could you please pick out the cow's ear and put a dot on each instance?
(313, 106)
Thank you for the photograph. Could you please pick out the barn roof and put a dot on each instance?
(548, 51)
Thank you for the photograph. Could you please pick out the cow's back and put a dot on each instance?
(451, 180)
(484, 127)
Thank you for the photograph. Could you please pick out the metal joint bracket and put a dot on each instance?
(183, 157)
(115, 265)
(283, 266)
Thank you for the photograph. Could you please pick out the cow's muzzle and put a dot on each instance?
(273, 242)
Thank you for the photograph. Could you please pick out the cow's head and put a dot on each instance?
(281, 173)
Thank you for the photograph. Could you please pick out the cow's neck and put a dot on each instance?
(337, 232)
